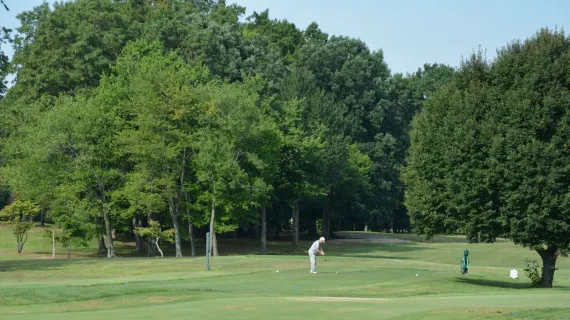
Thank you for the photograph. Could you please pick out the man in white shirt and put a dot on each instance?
(316, 247)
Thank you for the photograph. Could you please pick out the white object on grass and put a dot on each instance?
(416, 274)
(514, 274)
(277, 271)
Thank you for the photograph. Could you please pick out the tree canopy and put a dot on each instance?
(489, 151)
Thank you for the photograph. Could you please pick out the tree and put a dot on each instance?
(210, 35)
(489, 152)
(65, 237)
(302, 166)
(74, 147)
(4, 60)
(71, 47)
(358, 85)
(155, 232)
(159, 104)
(282, 35)
(4, 65)
(236, 148)
(19, 214)
(405, 98)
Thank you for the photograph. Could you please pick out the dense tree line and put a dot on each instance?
(125, 114)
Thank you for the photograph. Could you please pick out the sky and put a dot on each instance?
(409, 32)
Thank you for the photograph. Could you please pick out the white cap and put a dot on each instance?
(322, 239)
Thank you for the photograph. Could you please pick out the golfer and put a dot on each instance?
(316, 247)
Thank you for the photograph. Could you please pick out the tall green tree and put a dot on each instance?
(4, 36)
(160, 106)
(357, 83)
(70, 47)
(302, 168)
(4, 61)
(73, 148)
(489, 151)
(237, 148)
(406, 96)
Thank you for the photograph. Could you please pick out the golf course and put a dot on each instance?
(373, 277)
(255, 159)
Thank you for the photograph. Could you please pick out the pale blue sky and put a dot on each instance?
(410, 32)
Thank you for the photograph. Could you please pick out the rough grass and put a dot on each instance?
(360, 281)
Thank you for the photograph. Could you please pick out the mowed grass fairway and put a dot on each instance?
(359, 281)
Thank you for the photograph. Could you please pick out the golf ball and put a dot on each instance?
(416, 274)
(277, 271)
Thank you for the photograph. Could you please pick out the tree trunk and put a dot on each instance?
(326, 219)
(549, 257)
(69, 251)
(159, 250)
(53, 244)
(175, 223)
(139, 241)
(324, 222)
(177, 241)
(150, 245)
(278, 227)
(366, 227)
(215, 244)
(101, 250)
(191, 236)
(257, 232)
(109, 230)
(214, 247)
(298, 218)
(312, 230)
(42, 219)
(295, 224)
(263, 230)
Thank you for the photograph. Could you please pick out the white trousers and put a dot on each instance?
(313, 259)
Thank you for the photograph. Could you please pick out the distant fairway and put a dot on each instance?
(359, 281)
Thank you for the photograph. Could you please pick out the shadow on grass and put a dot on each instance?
(37, 264)
(500, 284)
(367, 250)
(405, 236)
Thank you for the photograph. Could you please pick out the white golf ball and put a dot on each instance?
(416, 274)
(277, 271)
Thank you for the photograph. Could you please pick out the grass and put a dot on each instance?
(359, 281)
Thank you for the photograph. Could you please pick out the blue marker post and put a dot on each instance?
(208, 251)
